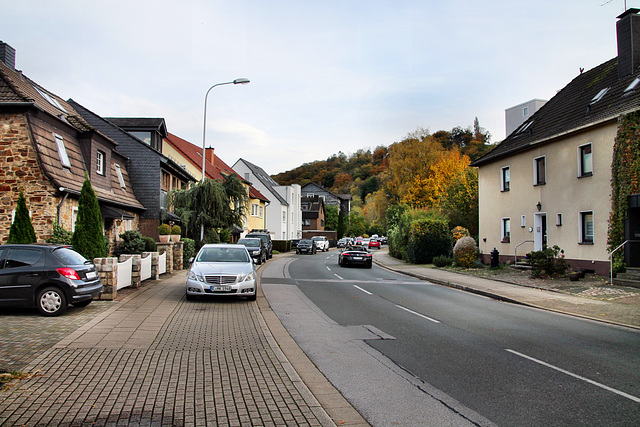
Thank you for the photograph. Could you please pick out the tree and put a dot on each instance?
(21, 229)
(331, 213)
(88, 238)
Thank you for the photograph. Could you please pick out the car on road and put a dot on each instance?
(256, 247)
(358, 241)
(322, 243)
(222, 269)
(374, 243)
(46, 276)
(342, 243)
(365, 242)
(306, 246)
(355, 256)
(266, 238)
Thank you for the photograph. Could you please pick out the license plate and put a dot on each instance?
(220, 288)
(92, 275)
(357, 258)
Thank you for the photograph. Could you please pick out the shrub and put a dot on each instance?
(88, 238)
(149, 244)
(442, 261)
(164, 230)
(176, 230)
(21, 230)
(549, 261)
(59, 235)
(458, 233)
(428, 238)
(131, 243)
(465, 252)
(188, 250)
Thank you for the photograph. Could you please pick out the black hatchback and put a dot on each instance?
(49, 277)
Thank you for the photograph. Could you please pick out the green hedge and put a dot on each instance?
(428, 238)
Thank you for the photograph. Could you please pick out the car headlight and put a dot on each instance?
(195, 276)
(256, 252)
(246, 277)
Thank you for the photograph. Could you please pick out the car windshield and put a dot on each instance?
(305, 241)
(254, 243)
(68, 256)
(223, 255)
(316, 238)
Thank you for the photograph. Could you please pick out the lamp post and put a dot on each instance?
(241, 81)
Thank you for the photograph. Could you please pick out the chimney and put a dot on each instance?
(209, 156)
(628, 32)
(7, 55)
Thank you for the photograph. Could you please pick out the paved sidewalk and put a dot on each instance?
(155, 359)
(614, 312)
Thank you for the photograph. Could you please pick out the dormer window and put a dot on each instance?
(633, 85)
(525, 127)
(120, 177)
(50, 99)
(62, 151)
(100, 162)
(599, 96)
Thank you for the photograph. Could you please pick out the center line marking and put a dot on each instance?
(613, 390)
(366, 292)
(418, 314)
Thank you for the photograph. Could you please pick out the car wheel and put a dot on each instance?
(51, 301)
(80, 304)
(370, 265)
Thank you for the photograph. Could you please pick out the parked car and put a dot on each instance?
(256, 247)
(355, 256)
(306, 246)
(49, 277)
(322, 243)
(222, 269)
(374, 243)
(266, 238)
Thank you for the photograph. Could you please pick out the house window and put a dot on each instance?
(166, 181)
(142, 136)
(284, 217)
(62, 151)
(246, 176)
(100, 162)
(505, 179)
(261, 211)
(559, 220)
(50, 99)
(120, 177)
(506, 230)
(585, 160)
(586, 227)
(306, 222)
(539, 171)
(525, 111)
(523, 221)
(254, 209)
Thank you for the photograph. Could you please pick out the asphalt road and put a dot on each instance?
(407, 352)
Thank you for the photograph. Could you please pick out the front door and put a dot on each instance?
(632, 232)
(539, 231)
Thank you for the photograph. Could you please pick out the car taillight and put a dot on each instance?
(69, 273)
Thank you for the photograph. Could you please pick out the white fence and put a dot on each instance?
(145, 267)
(162, 263)
(124, 273)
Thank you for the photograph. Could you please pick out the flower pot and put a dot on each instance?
(164, 238)
(574, 277)
(175, 238)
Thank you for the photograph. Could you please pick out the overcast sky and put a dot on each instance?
(326, 76)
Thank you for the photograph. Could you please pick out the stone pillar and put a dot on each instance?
(135, 268)
(108, 272)
(168, 248)
(177, 255)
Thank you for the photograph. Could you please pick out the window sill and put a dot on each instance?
(505, 241)
(505, 191)
(540, 183)
(585, 243)
(586, 175)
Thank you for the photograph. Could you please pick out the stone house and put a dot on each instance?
(549, 182)
(47, 150)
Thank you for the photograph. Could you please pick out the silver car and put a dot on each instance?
(222, 270)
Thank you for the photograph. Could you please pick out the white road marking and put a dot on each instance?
(338, 276)
(613, 390)
(418, 314)
(366, 292)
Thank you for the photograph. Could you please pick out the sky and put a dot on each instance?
(326, 76)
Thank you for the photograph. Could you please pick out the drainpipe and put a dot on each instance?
(66, 194)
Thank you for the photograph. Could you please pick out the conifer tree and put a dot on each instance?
(22, 230)
(88, 238)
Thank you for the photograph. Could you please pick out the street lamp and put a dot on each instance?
(240, 81)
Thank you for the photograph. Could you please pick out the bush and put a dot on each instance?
(458, 233)
(88, 238)
(149, 244)
(59, 235)
(176, 230)
(188, 250)
(442, 261)
(164, 230)
(21, 230)
(131, 243)
(549, 261)
(465, 252)
(428, 238)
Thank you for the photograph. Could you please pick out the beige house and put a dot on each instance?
(549, 182)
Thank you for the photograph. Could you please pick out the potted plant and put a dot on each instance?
(175, 233)
(574, 276)
(164, 231)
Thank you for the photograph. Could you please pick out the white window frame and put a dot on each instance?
(525, 112)
(62, 151)
(100, 162)
(559, 219)
(536, 177)
(506, 221)
(581, 164)
(504, 184)
(523, 221)
(254, 209)
(581, 224)
(261, 211)
(120, 177)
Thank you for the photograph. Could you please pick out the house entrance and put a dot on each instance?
(632, 232)
(539, 231)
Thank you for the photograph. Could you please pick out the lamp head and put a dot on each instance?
(241, 81)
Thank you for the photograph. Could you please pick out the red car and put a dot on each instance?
(374, 243)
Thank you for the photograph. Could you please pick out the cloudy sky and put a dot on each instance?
(326, 76)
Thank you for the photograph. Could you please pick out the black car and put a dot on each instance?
(49, 277)
(256, 247)
(306, 246)
(266, 238)
(358, 256)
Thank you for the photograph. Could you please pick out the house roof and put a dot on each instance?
(265, 179)
(592, 98)
(146, 123)
(311, 206)
(338, 196)
(218, 170)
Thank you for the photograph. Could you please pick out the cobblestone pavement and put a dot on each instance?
(156, 359)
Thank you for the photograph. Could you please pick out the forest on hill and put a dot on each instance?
(428, 171)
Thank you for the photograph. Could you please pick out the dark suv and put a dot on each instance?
(256, 247)
(266, 238)
(49, 277)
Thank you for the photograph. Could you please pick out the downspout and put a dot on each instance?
(66, 194)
